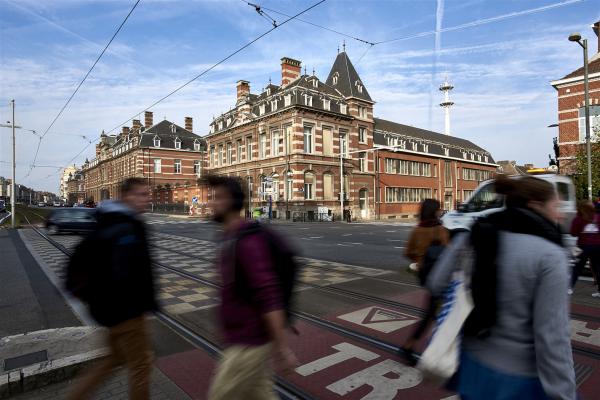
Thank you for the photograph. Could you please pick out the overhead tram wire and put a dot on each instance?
(217, 64)
(81, 83)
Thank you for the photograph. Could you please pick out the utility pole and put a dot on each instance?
(14, 168)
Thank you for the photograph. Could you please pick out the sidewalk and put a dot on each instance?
(43, 343)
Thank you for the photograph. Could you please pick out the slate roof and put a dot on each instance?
(347, 78)
(593, 68)
(167, 138)
(437, 143)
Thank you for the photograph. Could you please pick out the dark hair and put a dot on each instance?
(232, 185)
(128, 184)
(586, 210)
(429, 209)
(520, 191)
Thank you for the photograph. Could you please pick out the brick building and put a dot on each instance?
(285, 143)
(571, 115)
(167, 155)
(75, 188)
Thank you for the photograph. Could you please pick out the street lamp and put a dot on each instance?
(576, 37)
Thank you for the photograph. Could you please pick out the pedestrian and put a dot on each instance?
(111, 271)
(349, 216)
(252, 311)
(585, 228)
(516, 343)
(424, 246)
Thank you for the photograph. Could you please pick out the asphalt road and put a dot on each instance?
(369, 245)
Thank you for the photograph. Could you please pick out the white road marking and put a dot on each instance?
(396, 240)
(345, 245)
(347, 234)
(379, 319)
(581, 333)
(391, 231)
(316, 237)
(345, 352)
(399, 247)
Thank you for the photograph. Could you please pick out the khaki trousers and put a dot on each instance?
(244, 373)
(129, 346)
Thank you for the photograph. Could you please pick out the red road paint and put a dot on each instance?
(192, 371)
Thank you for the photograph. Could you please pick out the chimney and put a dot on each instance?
(125, 131)
(189, 124)
(148, 119)
(136, 125)
(290, 70)
(596, 28)
(243, 89)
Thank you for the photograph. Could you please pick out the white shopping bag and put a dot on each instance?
(440, 360)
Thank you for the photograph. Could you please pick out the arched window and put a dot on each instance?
(275, 187)
(177, 143)
(156, 141)
(309, 186)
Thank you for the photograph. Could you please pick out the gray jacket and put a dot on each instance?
(532, 333)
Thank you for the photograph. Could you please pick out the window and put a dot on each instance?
(404, 167)
(156, 141)
(309, 186)
(326, 104)
(362, 162)
(262, 145)
(221, 155)
(173, 128)
(228, 122)
(327, 186)
(197, 167)
(238, 152)
(362, 112)
(177, 166)
(467, 194)
(447, 173)
(177, 143)
(261, 109)
(212, 157)
(220, 125)
(470, 174)
(275, 143)
(274, 105)
(406, 195)
(248, 148)
(196, 145)
(308, 139)
(289, 185)
(362, 134)
(157, 165)
(315, 83)
(335, 78)
(485, 199)
(327, 141)
(229, 153)
(344, 144)
(308, 100)
(343, 108)
(359, 87)
(287, 100)
(275, 187)
(288, 138)
(594, 123)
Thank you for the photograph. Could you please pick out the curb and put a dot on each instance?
(45, 373)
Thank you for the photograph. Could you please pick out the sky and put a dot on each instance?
(499, 55)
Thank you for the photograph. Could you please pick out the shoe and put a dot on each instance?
(570, 292)
(409, 356)
(596, 295)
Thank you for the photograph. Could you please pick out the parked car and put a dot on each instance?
(41, 204)
(75, 220)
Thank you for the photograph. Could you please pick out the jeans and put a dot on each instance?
(129, 345)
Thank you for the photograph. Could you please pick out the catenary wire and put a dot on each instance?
(81, 83)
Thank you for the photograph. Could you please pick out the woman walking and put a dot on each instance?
(585, 227)
(424, 246)
(516, 342)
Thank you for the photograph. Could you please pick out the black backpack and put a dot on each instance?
(80, 268)
(283, 256)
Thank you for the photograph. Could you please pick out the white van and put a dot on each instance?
(485, 201)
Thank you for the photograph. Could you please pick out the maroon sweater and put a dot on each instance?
(588, 233)
(242, 315)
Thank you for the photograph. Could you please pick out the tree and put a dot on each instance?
(580, 177)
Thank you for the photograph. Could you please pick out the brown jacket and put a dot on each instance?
(421, 238)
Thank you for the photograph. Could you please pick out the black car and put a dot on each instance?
(74, 220)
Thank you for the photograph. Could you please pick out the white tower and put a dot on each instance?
(446, 87)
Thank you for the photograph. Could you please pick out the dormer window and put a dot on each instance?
(177, 143)
(173, 128)
(335, 78)
(478, 157)
(228, 121)
(447, 152)
(485, 158)
(261, 109)
(156, 141)
(464, 155)
(343, 108)
(212, 128)
(308, 100)
(220, 125)
(287, 100)
(268, 91)
(274, 105)
(359, 86)
(426, 148)
(472, 157)
(315, 83)
(196, 145)
(327, 104)
(414, 146)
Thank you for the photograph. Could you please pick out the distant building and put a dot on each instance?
(4, 192)
(76, 188)
(571, 115)
(66, 173)
(168, 156)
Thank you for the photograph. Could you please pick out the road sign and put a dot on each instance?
(379, 319)
(194, 199)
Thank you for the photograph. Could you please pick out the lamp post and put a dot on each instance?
(576, 37)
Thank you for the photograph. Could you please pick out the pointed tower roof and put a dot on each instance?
(344, 78)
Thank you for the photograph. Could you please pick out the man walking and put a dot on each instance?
(111, 271)
(252, 312)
